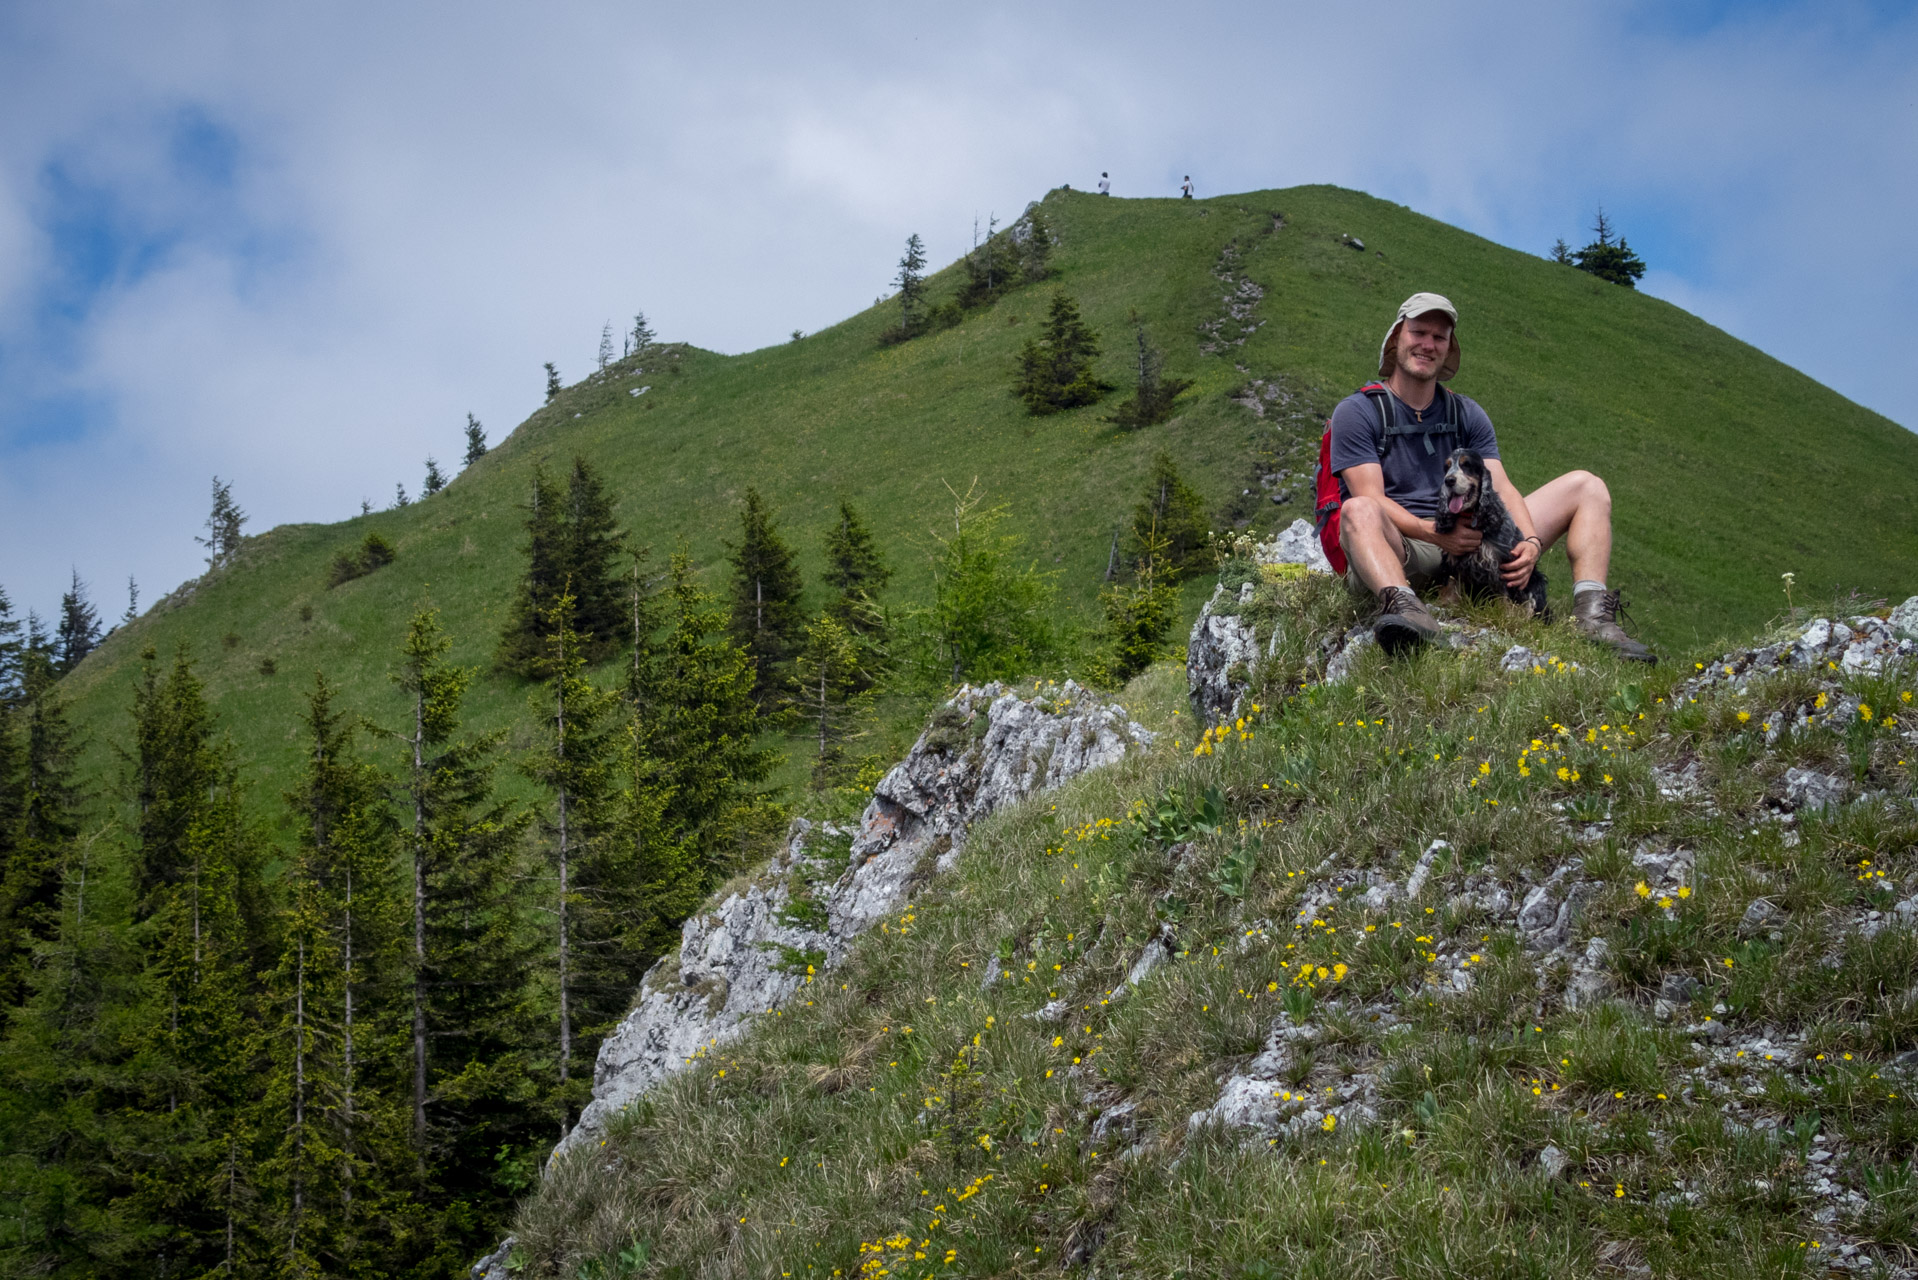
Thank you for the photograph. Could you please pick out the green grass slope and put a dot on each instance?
(1728, 467)
(1726, 1101)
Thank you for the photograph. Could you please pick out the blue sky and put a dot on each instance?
(295, 246)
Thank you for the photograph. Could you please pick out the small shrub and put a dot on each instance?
(306, 613)
(269, 667)
(1138, 618)
(375, 553)
(231, 639)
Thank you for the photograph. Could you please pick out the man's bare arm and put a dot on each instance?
(1367, 480)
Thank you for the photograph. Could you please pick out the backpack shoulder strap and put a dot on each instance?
(1381, 398)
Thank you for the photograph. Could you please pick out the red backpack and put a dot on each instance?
(1330, 497)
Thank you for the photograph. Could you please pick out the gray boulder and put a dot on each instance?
(1224, 646)
(1904, 619)
(493, 1265)
(1219, 658)
(1297, 543)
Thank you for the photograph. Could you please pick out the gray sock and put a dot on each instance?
(1583, 585)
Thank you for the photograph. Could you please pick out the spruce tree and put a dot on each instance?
(522, 642)
(988, 617)
(573, 762)
(300, 1171)
(174, 763)
(73, 1118)
(399, 497)
(79, 630)
(573, 545)
(1151, 401)
(698, 724)
(12, 653)
(1035, 249)
(475, 440)
(643, 335)
(605, 346)
(650, 878)
(133, 601)
(991, 268)
(1172, 513)
(222, 541)
(1055, 370)
(13, 786)
(911, 284)
(198, 919)
(593, 547)
(766, 619)
(658, 848)
(855, 571)
(435, 478)
(855, 575)
(1139, 613)
(1609, 258)
(13, 802)
(552, 382)
(827, 691)
(344, 930)
(471, 1038)
(39, 820)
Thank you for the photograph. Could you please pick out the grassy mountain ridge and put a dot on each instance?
(1711, 447)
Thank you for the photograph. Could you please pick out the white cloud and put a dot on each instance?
(431, 201)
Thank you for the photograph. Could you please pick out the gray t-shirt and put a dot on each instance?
(1412, 473)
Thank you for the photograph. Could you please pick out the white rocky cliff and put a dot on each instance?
(984, 749)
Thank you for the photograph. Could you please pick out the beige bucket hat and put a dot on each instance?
(1417, 305)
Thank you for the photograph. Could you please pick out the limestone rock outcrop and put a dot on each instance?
(797, 919)
(1224, 645)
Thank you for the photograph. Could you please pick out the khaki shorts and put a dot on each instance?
(1424, 567)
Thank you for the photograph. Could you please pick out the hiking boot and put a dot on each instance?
(1404, 623)
(1595, 614)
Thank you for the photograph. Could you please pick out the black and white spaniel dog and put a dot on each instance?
(1467, 494)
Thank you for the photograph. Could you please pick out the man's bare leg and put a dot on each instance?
(1373, 546)
(1578, 508)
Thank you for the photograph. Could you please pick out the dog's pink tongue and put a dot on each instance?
(1455, 504)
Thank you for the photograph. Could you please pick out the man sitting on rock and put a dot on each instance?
(1389, 483)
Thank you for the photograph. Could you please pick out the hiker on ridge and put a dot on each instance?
(1105, 184)
(1388, 482)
